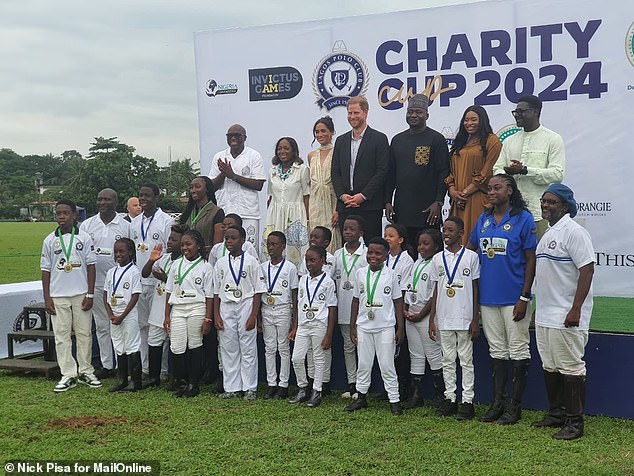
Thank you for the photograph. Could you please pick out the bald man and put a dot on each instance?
(134, 208)
(238, 175)
(104, 228)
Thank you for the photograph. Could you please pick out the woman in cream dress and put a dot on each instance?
(322, 210)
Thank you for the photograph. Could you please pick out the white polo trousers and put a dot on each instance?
(562, 350)
(422, 347)
(275, 328)
(457, 344)
(383, 345)
(70, 317)
(508, 339)
(102, 330)
(238, 348)
(144, 305)
(310, 335)
(186, 324)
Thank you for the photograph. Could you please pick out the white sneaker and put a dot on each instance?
(66, 383)
(89, 380)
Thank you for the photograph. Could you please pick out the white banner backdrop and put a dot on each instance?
(577, 55)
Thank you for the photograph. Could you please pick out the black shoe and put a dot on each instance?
(220, 389)
(465, 412)
(134, 364)
(555, 418)
(416, 398)
(282, 393)
(104, 373)
(191, 391)
(270, 393)
(301, 396)
(396, 409)
(122, 372)
(175, 385)
(511, 415)
(325, 389)
(494, 412)
(572, 429)
(358, 404)
(315, 399)
(447, 408)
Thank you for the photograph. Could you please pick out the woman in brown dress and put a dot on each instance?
(473, 154)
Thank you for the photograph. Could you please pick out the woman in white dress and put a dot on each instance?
(323, 200)
(287, 206)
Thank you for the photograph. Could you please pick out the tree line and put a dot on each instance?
(110, 163)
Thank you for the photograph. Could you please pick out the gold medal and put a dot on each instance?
(270, 300)
(491, 253)
(68, 268)
(451, 292)
(113, 300)
(371, 315)
(159, 290)
(142, 247)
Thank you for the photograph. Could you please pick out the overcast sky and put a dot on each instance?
(71, 70)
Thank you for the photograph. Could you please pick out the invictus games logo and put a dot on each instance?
(267, 84)
(339, 76)
(213, 88)
(507, 131)
(629, 44)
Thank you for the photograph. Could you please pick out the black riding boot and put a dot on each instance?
(496, 409)
(513, 411)
(122, 373)
(574, 400)
(556, 414)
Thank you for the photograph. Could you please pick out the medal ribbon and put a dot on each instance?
(195, 218)
(67, 251)
(144, 231)
(398, 257)
(345, 267)
(115, 281)
(181, 277)
(452, 275)
(371, 290)
(272, 285)
(168, 266)
(233, 273)
(311, 299)
(417, 273)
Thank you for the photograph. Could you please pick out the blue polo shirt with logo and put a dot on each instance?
(501, 248)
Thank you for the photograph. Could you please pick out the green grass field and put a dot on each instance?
(209, 436)
(21, 243)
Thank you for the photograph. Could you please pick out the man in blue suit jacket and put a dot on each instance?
(359, 169)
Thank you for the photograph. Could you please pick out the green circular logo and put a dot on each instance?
(507, 131)
(629, 44)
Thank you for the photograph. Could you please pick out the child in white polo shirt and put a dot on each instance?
(377, 307)
(159, 266)
(220, 249)
(347, 261)
(319, 236)
(121, 293)
(455, 316)
(278, 307)
(238, 289)
(314, 324)
(189, 310)
(68, 283)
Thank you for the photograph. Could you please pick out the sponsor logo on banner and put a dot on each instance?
(213, 88)
(270, 84)
(507, 131)
(594, 209)
(339, 76)
(619, 260)
(629, 44)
